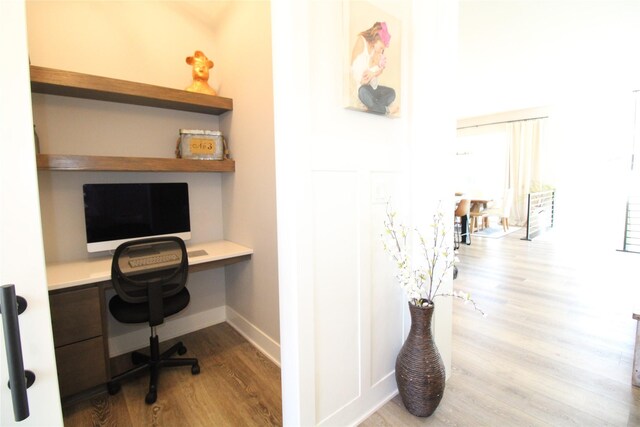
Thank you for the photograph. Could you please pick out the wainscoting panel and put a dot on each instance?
(358, 310)
(387, 302)
(337, 318)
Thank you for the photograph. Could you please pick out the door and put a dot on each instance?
(631, 241)
(21, 248)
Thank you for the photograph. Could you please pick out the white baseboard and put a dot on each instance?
(179, 326)
(375, 409)
(254, 335)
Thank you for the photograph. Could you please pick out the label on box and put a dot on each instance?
(202, 146)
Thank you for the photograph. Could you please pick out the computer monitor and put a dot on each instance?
(115, 213)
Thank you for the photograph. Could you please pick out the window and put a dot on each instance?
(481, 161)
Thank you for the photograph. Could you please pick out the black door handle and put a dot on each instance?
(18, 378)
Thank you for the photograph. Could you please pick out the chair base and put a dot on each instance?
(153, 363)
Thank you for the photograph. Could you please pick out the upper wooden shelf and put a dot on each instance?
(78, 85)
(130, 164)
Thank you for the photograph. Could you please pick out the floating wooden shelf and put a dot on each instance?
(78, 85)
(130, 164)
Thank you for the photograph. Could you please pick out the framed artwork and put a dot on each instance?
(372, 58)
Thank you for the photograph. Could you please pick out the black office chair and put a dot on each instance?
(149, 276)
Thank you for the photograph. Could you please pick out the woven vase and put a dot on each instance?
(419, 368)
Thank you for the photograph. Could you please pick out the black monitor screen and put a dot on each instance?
(120, 212)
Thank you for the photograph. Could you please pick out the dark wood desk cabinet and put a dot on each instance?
(79, 333)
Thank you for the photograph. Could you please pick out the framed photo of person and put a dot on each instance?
(373, 61)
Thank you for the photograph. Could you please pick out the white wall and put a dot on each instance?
(249, 206)
(343, 317)
(577, 59)
(111, 39)
(148, 42)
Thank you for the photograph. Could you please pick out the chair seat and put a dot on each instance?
(478, 214)
(126, 312)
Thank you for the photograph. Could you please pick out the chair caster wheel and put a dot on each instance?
(182, 350)
(151, 397)
(113, 387)
(195, 369)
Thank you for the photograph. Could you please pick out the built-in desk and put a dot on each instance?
(202, 256)
(79, 315)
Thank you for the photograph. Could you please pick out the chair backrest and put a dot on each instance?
(147, 269)
(464, 206)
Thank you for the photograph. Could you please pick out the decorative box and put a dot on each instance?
(201, 144)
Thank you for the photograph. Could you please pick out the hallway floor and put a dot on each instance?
(556, 347)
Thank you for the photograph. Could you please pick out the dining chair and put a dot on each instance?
(503, 210)
(461, 223)
(478, 217)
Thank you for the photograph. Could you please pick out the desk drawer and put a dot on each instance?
(81, 366)
(75, 315)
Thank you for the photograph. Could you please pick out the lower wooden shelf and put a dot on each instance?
(64, 162)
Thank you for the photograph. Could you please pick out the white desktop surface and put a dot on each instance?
(75, 273)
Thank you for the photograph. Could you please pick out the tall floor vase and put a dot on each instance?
(419, 368)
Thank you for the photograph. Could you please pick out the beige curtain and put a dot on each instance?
(525, 164)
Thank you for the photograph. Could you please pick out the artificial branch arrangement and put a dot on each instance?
(421, 281)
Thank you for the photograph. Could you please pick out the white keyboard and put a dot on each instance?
(152, 260)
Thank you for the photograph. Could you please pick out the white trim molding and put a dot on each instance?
(254, 335)
(504, 117)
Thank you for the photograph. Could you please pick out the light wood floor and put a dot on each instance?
(237, 386)
(556, 348)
